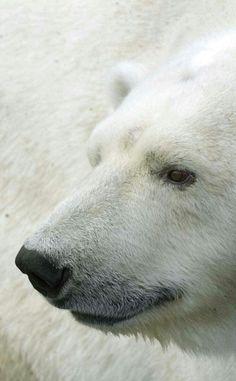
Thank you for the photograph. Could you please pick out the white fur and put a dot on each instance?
(51, 83)
(124, 77)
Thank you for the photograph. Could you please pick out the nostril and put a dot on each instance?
(47, 288)
(43, 275)
(38, 284)
(43, 283)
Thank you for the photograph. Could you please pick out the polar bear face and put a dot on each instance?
(148, 241)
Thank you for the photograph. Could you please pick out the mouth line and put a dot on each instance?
(165, 296)
(98, 319)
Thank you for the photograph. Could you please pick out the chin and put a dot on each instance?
(127, 321)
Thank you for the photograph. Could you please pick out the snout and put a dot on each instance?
(43, 275)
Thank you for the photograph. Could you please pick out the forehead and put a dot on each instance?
(173, 110)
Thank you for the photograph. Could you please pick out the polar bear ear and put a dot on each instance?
(123, 78)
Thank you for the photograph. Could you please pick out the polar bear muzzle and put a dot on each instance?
(109, 302)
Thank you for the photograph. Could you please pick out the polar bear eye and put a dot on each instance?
(180, 176)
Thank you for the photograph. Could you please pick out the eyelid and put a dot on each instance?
(163, 173)
(160, 171)
(190, 179)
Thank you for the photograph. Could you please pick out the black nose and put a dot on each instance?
(44, 276)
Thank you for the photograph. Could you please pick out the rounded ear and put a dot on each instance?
(123, 78)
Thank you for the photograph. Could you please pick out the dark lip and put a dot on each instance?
(98, 320)
(167, 296)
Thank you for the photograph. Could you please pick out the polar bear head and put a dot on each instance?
(147, 243)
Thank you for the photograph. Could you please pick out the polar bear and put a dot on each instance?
(55, 57)
(146, 243)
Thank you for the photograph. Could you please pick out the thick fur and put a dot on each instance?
(176, 107)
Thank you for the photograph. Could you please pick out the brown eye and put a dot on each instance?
(177, 176)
